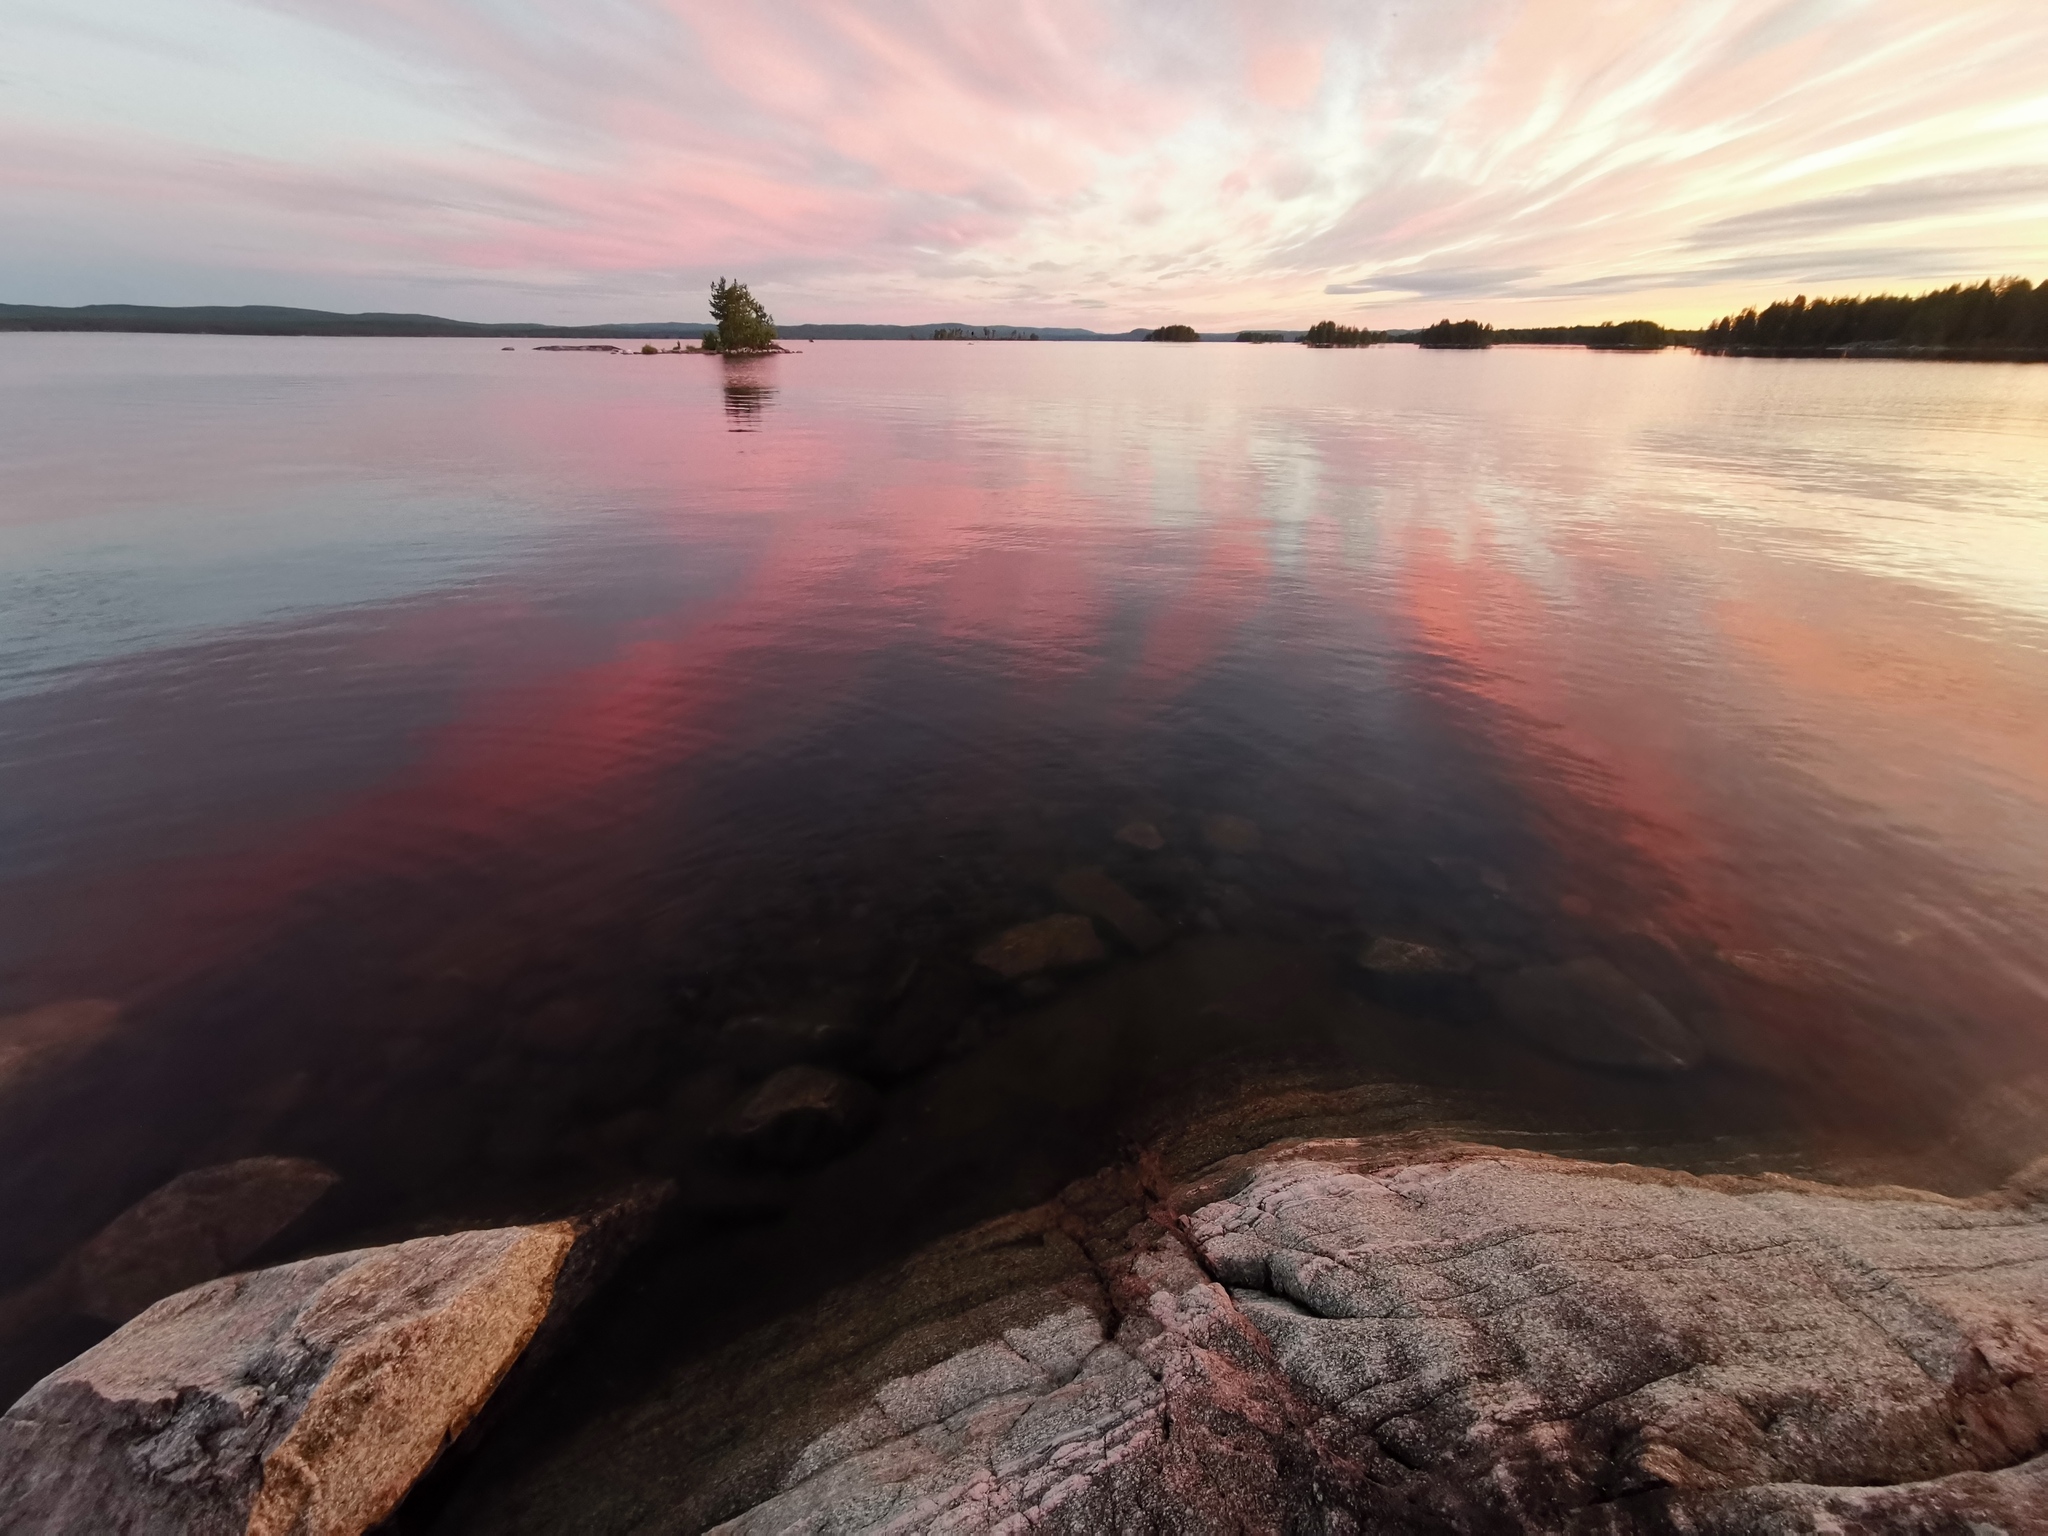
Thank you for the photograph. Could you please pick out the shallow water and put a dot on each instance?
(433, 747)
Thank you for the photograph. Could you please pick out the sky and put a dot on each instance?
(1104, 163)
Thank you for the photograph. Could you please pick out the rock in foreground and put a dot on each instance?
(1485, 1342)
(303, 1400)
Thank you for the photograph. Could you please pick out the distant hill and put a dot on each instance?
(271, 320)
(955, 331)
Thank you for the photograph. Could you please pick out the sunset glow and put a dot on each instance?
(1089, 162)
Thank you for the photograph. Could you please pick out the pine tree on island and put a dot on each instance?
(739, 322)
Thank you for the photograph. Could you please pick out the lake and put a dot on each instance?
(476, 767)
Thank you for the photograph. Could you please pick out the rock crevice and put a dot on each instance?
(1492, 1341)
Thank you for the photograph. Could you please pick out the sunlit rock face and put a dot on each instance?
(1482, 1341)
(307, 1398)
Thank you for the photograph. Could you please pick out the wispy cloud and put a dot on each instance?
(1455, 282)
(1996, 191)
(1219, 161)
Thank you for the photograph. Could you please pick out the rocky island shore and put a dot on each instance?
(1326, 1335)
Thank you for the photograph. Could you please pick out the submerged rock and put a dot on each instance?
(200, 1225)
(1096, 894)
(1391, 957)
(1142, 835)
(1487, 1341)
(43, 1041)
(819, 1031)
(303, 1400)
(571, 1027)
(1408, 974)
(197, 1227)
(923, 1026)
(1231, 834)
(1059, 942)
(1588, 1011)
(802, 1115)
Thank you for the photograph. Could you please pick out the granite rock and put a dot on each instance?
(306, 1398)
(1316, 1338)
(301, 1400)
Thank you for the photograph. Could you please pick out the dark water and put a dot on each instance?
(434, 747)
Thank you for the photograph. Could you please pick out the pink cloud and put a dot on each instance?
(1048, 160)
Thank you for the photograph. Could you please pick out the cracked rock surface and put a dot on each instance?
(1309, 1340)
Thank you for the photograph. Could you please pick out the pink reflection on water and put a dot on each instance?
(1813, 771)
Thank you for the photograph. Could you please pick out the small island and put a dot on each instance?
(986, 333)
(1608, 336)
(1456, 334)
(740, 325)
(1328, 333)
(1173, 333)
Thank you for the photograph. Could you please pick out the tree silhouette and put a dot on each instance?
(1456, 333)
(2010, 315)
(1328, 333)
(742, 324)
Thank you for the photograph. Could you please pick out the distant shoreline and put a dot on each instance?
(1887, 353)
(271, 320)
(263, 320)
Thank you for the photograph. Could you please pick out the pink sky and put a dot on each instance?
(1104, 163)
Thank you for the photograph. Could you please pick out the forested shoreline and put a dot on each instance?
(2006, 318)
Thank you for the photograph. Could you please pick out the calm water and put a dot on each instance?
(434, 747)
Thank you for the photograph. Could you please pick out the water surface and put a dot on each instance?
(433, 747)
